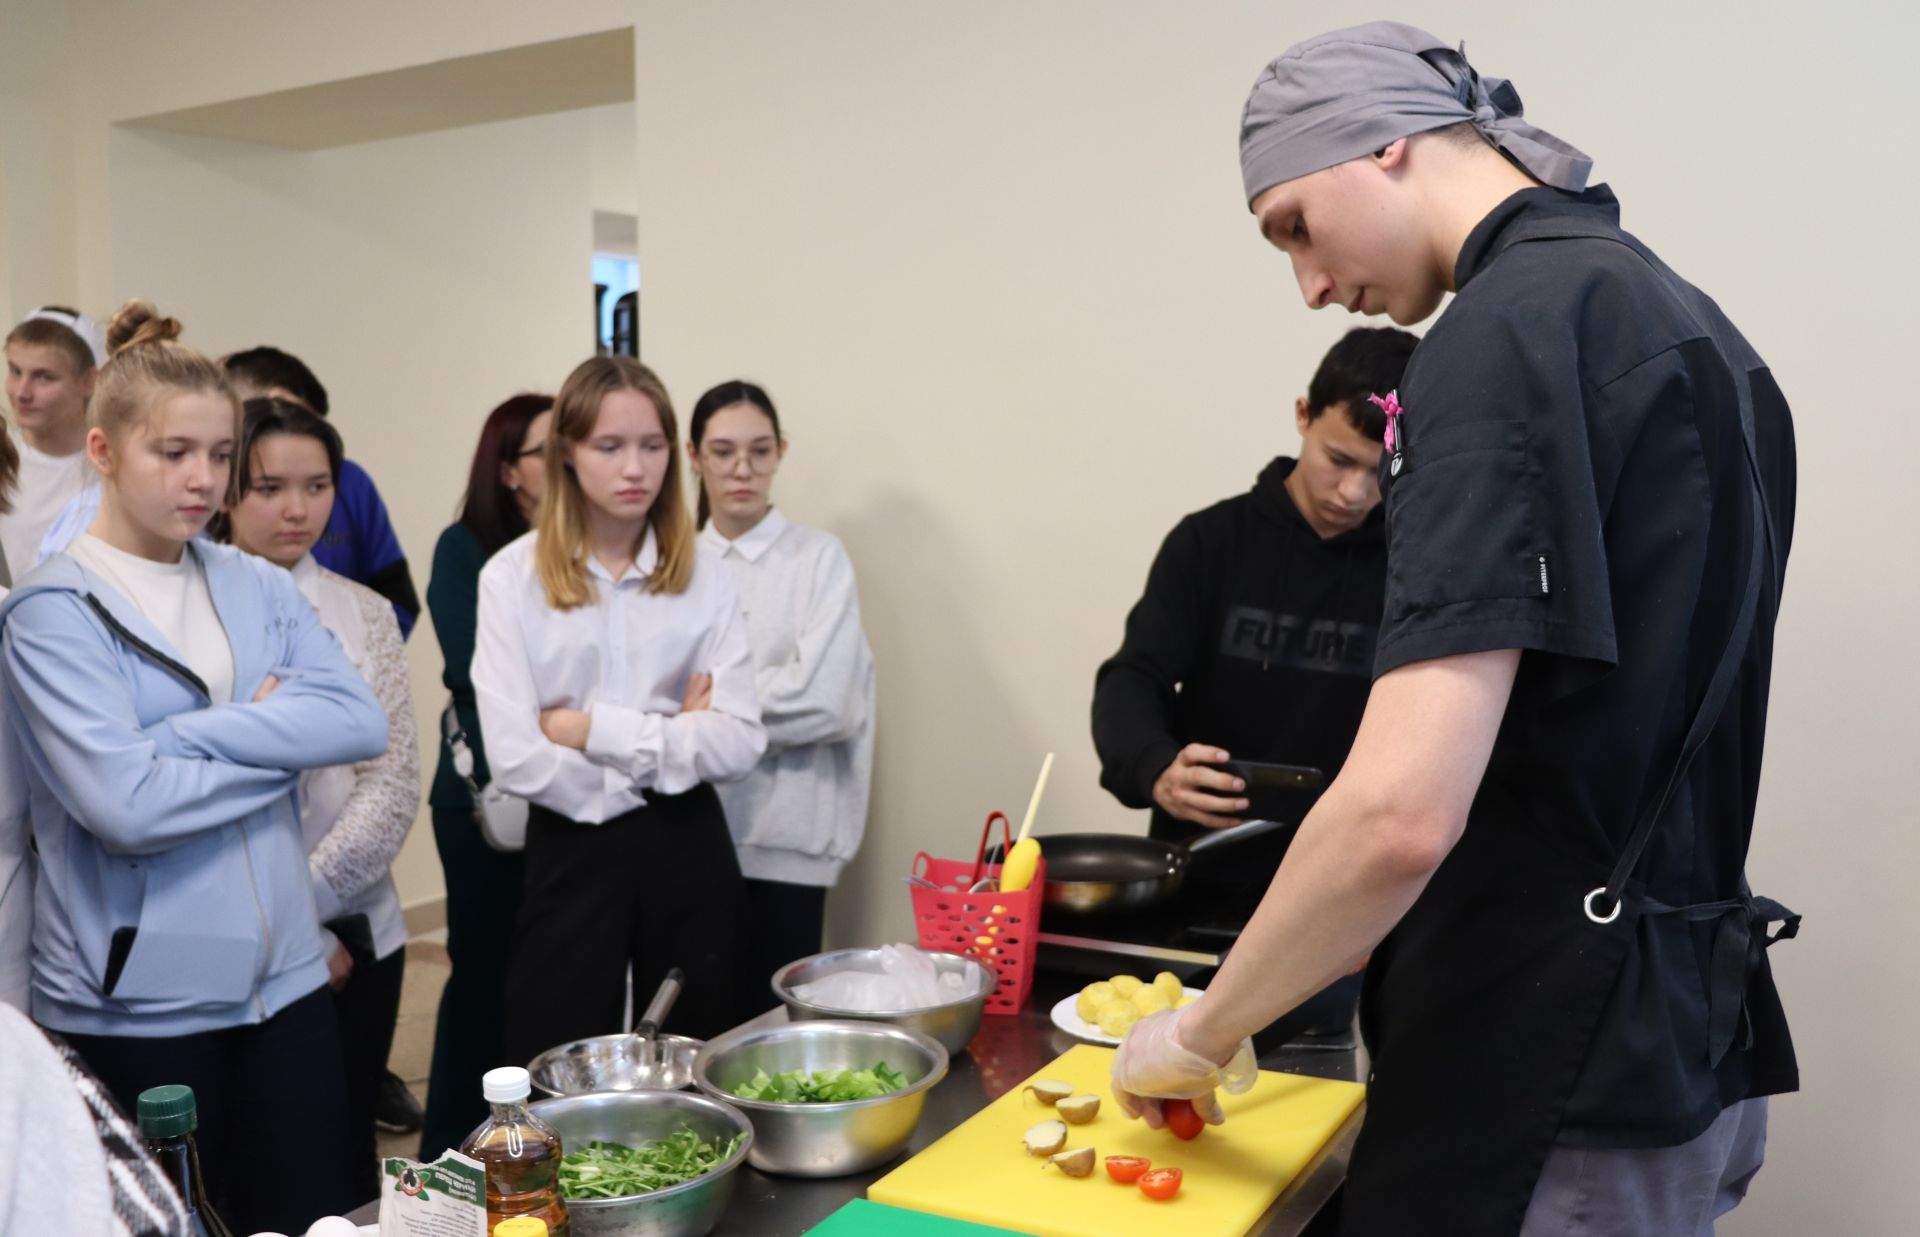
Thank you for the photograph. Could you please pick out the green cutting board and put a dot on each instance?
(861, 1217)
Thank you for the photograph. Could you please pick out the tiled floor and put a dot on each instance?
(413, 1037)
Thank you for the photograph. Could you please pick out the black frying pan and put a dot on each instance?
(1100, 873)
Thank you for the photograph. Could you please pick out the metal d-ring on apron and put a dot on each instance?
(1736, 948)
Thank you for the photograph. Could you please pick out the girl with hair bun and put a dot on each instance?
(615, 687)
(167, 693)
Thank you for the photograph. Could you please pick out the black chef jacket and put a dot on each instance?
(1572, 484)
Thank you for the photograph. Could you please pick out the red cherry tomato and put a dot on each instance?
(1183, 1120)
(1161, 1183)
(1127, 1169)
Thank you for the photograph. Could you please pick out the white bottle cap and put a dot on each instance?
(506, 1084)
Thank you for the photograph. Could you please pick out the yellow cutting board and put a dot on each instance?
(981, 1172)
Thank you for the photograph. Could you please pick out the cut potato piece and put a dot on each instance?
(1075, 1163)
(1046, 1138)
(1125, 985)
(1050, 1091)
(1169, 983)
(1079, 1109)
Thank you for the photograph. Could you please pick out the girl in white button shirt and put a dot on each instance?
(799, 816)
(615, 686)
(353, 818)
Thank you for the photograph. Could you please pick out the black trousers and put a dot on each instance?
(367, 1008)
(483, 899)
(273, 1138)
(784, 924)
(656, 888)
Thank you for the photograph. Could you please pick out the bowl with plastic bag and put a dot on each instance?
(938, 994)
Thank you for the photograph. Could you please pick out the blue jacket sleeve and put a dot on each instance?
(323, 713)
(377, 559)
(69, 694)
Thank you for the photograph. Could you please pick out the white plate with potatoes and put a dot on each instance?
(1103, 997)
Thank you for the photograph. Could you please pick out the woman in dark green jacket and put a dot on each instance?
(483, 885)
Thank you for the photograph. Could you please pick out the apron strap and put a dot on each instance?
(1737, 950)
(1719, 687)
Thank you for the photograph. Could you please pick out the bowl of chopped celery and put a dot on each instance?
(646, 1163)
(953, 1020)
(826, 1098)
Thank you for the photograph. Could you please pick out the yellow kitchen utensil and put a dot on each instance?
(1017, 872)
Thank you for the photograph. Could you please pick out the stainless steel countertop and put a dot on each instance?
(1007, 1051)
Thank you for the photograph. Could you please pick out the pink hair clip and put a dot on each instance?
(1390, 405)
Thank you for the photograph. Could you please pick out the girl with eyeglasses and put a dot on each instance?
(798, 818)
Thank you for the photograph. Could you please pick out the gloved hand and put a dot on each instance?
(1152, 1066)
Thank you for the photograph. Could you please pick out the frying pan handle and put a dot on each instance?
(1237, 833)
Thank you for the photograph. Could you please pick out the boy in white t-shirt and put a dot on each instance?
(51, 360)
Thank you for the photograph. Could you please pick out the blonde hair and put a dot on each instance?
(144, 363)
(560, 529)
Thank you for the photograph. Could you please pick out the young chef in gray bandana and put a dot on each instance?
(1540, 834)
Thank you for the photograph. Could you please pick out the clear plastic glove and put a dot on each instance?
(1152, 1066)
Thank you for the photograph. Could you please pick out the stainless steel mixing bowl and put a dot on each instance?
(953, 1023)
(690, 1209)
(823, 1140)
(609, 1063)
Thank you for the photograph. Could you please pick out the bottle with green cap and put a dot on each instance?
(168, 1116)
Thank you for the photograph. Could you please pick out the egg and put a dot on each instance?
(333, 1226)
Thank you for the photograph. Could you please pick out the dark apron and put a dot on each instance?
(1482, 1005)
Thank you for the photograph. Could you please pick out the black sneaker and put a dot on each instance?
(395, 1110)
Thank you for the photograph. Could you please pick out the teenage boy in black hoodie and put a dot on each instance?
(1255, 635)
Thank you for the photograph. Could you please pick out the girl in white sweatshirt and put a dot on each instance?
(799, 816)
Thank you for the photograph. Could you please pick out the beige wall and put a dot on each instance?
(424, 279)
(993, 265)
(995, 269)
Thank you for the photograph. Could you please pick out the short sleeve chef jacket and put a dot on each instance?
(1572, 484)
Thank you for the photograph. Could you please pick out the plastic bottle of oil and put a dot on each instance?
(521, 1154)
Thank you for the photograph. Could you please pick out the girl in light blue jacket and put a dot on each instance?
(165, 693)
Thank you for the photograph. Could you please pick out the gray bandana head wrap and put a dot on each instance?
(1347, 94)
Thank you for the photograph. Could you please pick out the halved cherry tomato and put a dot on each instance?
(1126, 1169)
(1161, 1183)
(1182, 1119)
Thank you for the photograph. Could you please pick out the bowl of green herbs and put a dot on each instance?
(826, 1098)
(646, 1163)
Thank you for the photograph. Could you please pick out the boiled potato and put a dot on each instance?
(1169, 985)
(1092, 998)
(1125, 985)
(1150, 1000)
(1186, 1001)
(1117, 1017)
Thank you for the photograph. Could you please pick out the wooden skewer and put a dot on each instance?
(1033, 804)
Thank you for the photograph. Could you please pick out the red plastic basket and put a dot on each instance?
(1001, 930)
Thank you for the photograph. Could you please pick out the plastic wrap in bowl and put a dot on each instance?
(953, 1023)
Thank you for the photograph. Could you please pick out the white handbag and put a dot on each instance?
(502, 817)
